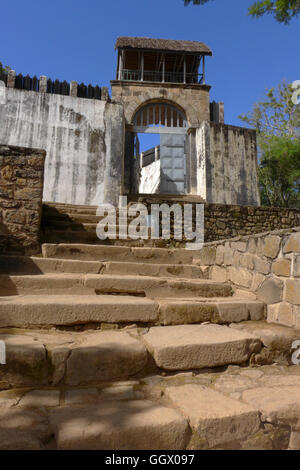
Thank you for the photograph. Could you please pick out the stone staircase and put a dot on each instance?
(69, 223)
(124, 347)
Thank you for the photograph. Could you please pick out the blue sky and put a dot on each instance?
(74, 40)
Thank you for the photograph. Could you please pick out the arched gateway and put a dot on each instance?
(171, 124)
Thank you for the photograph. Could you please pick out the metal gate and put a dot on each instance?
(172, 163)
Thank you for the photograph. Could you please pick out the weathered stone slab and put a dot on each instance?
(274, 337)
(81, 396)
(148, 269)
(23, 429)
(292, 293)
(34, 310)
(261, 265)
(138, 425)
(16, 440)
(176, 312)
(43, 284)
(240, 310)
(25, 360)
(216, 418)
(35, 265)
(277, 404)
(282, 267)
(40, 398)
(218, 274)
(285, 314)
(272, 246)
(197, 346)
(296, 267)
(240, 276)
(116, 253)
(270, 291)
(292, 243)
(105, 355)
(154, 287)
(206, 256)
(232, 384)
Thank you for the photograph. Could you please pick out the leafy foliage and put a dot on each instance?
(279, 173)
(276, 115)
(277, 122)
(3, 69)
(282, 10)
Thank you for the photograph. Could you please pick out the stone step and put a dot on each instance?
(37, 265)
(117, 253)
(241, 408)
(70, 310)
(57, 225)
(213, 417)
(62, 225)
(187, 347)
(225, 310)
(156, 269)
(85, 237)
(71, 236)
(136, 424)
(39, 357)
(32, 311)
(72, 207)
(61, 218)
(88, 217)
(88, 238)
(151, 287)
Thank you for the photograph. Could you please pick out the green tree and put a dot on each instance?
(3, 69)
(282, 10)
(276, 115)
(277, 122)
(279, 173)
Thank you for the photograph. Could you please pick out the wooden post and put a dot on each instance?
(142, 66)
(121, 65)
(163, 68)
(118, 66)
(184, 69)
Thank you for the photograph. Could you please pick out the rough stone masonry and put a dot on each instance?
(21, 190)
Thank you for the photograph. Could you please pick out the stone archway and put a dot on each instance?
(162, 117)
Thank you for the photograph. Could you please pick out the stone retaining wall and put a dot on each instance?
(21, 190)
(227, 221)
(266, 264)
